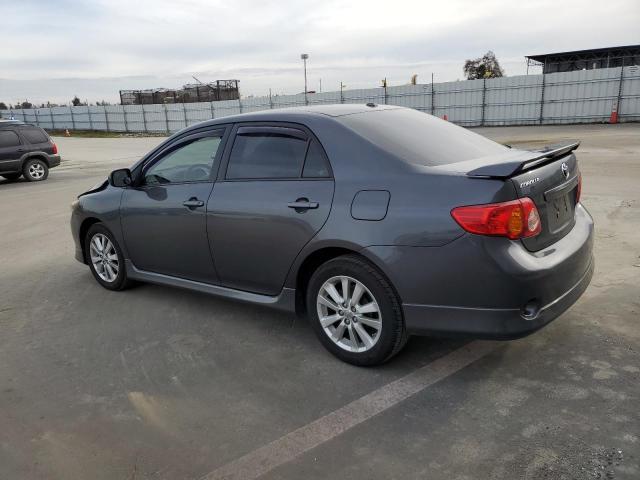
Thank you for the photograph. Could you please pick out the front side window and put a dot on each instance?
(8, 138)
(192, 162)
(266, 155)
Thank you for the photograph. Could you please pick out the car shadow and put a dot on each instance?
(290, 327)
(4, 181)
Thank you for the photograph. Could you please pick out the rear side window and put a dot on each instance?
(34, 135)
(316, 165)
(8, 138)
(266, 155)
(420, 138)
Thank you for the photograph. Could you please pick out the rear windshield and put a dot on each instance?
(420, 138)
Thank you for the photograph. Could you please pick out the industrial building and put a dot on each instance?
(190, 93)
(586, 59)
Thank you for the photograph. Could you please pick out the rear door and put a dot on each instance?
(35, 139)
(11, 149)
(164, 216)
(273, 194)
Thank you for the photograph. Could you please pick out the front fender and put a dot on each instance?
(102, 206)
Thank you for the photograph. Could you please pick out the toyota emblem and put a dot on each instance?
(565, 170)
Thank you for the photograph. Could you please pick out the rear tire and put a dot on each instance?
(105, 258)
(35, 170)
(12, 177)
(365, 326)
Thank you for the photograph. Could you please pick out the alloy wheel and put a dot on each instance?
(36, 171)
(104, 257)
(349, 314)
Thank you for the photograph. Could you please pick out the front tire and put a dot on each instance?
(105, 258)
(35, 170)
(355, 311)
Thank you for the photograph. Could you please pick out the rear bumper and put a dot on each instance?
(53, 160)
(488, 323)
(489, 287)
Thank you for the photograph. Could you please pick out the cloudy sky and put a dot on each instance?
(55, 49)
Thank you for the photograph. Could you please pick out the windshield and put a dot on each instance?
(420, 138)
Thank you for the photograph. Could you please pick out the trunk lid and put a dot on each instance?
(549, 177)
(553, 187)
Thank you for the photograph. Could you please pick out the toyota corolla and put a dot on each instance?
(375, 222)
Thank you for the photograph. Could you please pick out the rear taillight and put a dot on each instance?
(54, 147)
(579, 188)
(514, 219)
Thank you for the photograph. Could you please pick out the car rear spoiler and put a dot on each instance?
(512, 162)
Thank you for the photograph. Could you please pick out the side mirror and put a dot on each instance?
(120, 177)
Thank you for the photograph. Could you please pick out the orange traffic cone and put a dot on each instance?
(66, 133)
(614, 117)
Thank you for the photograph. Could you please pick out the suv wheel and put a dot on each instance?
(355, 312)
(105, 258)
(11, 176)
(35, 170)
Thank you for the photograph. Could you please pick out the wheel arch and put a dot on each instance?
(316, 258)
(34, 156)
(82, 233)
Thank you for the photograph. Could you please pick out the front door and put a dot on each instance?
(164, 214)
(273, 197)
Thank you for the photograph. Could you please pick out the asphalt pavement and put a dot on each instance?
(162, 383)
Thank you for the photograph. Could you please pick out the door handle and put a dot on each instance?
(302, 204)
(193, 202)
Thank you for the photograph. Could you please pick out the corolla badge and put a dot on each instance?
(565, 170)
(529, 182)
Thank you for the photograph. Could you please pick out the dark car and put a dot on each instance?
(26, 150)
(377, 222)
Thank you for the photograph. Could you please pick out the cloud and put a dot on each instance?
(99, 47)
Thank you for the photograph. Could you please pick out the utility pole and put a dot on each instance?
(320, 85)
(304, 58)
(384, 85)
(433, 95)
(342, 85)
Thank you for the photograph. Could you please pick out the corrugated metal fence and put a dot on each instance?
(587, 96)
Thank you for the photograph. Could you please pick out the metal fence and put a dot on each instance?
(588, 96)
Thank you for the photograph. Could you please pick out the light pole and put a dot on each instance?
(304, 58)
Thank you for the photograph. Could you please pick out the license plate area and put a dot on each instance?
(560, 211)
(560, 205)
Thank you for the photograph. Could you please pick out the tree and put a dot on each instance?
(76, 101)
(26, 105)
(3, 106)
(485, 67)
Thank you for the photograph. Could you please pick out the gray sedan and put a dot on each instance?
(375, 222)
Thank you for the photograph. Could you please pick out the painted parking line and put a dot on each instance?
(260, 461)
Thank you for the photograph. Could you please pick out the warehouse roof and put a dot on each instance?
(621, 50)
